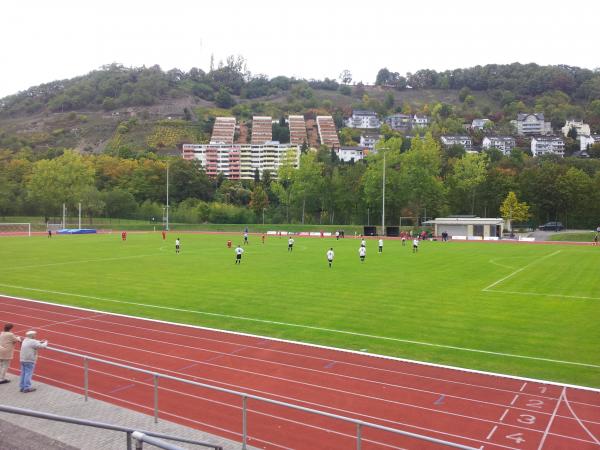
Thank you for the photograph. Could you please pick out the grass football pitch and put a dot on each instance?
(522, 309)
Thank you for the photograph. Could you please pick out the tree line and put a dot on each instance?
(422, 180)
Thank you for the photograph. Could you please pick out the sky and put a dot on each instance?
(42, 41)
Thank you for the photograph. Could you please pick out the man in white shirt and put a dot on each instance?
(177, 245)
(380, 245)
(363, 243)
(362, 252)
(290, 244)
(28, 357)
(415, 245)
(337, 235)
(238, 254)
(330, 256)
(245, 237)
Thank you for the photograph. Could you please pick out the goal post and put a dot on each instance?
(15, 229)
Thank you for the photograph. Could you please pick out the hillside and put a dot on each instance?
(137, 110)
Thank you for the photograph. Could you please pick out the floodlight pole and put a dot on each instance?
(167, 214)
(383, 195)
(79, 216)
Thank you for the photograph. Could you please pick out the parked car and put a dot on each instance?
(552, 226)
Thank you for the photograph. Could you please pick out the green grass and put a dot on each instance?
(583, 236)
(550, 309)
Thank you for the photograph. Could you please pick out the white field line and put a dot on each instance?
(594, 438)
(300, 355)
(308, 327)
(287, 341)
(545, 435)
(267, 362)
(576, 297)
(519, 270)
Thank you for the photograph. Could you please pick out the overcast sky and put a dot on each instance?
(43, 40)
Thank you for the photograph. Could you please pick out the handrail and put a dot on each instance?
(141, 437)
(107, 426)
(245, 396)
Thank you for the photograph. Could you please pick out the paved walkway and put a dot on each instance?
(24, 433)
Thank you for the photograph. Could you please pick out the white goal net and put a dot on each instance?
(15, 229)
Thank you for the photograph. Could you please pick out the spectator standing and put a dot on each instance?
(7, 347)
(29, 354)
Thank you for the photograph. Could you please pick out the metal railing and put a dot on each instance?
(360, 425)
(139, 436)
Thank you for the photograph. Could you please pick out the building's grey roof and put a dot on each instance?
(399, 116)
(362, 112)
(352, 148)
(500, 138)
(547, 139)
(453, 137)
(523, 116)
(465, 221)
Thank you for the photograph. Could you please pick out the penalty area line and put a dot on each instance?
(307, 327)
(539, 294)
(512, 274)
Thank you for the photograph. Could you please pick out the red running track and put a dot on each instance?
(479, 410)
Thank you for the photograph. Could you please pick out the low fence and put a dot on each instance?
(360, 426)
(139, 436)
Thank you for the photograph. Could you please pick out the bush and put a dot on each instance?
(225, 213)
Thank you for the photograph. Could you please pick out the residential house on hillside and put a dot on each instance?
(399, 122)
(547, 145)
(583, 129)
(348, 154)
(479, 124)
(369, 140)
(464, 141)
(503, 143)
(532, 124)
(586, 142)
(363, 119)
(420, 121)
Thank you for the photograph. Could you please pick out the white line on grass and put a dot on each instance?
(580, 297)
(64, 263)
(519, 270)
(307, 327)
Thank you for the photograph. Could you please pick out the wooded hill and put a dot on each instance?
(123, 123)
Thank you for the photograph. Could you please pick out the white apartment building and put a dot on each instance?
(420, 121)
(348, 154)
(547, 145)
(465, 141)
(583, 129)
(239, 161)
(503, 143)
(588, 141)
(363, 119)
(369, 140)
(530, 124)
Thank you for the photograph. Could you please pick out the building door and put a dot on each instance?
(478, 230)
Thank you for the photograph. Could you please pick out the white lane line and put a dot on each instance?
(594, 438)
(547, 430)
(578, 297)
(491, 433)
(523, 387)
(519, 270)
(402, 425)
(514, 400)
(307, 327)
(503, 415)
(301, 355)
(121, 337)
